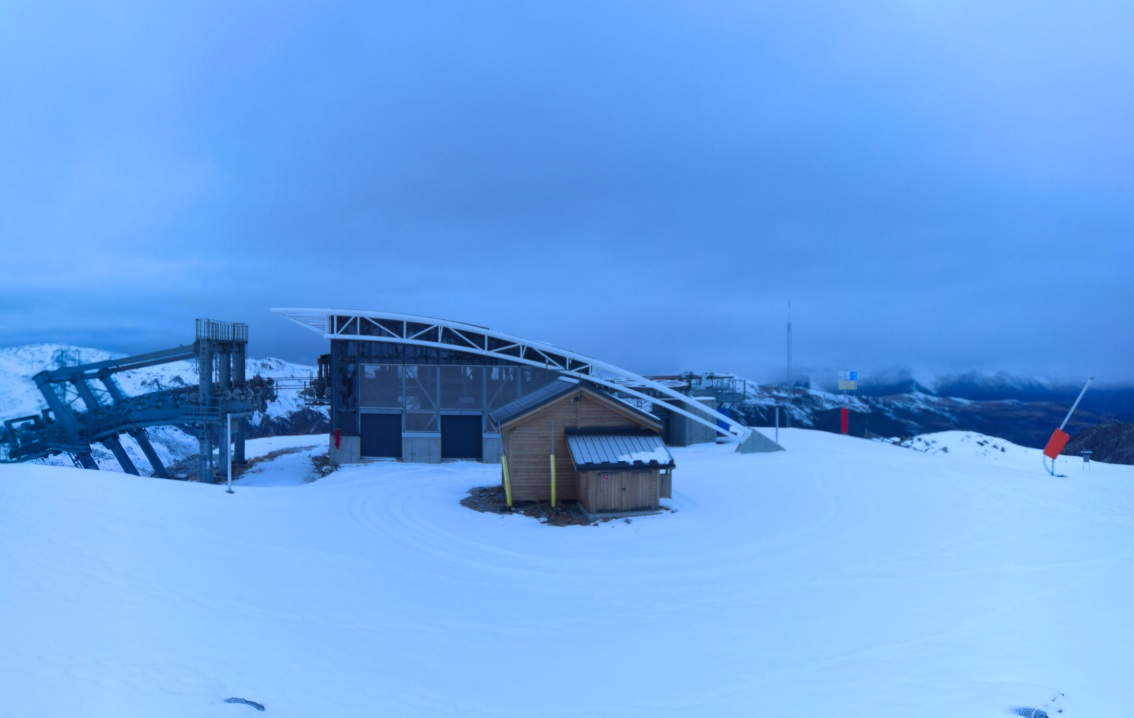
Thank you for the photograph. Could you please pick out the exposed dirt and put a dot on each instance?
(323, 465)
(490, 499)
(189, 469)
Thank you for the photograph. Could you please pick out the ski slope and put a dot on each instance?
(842, 577)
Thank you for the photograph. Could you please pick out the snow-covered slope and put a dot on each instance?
(841, 577)
(18, 393)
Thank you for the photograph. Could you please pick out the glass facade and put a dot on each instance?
(380, 387)
(423, 391)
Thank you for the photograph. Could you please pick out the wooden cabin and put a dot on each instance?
(609, 456)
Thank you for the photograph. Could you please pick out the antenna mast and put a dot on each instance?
(789, 377)
(789, 345)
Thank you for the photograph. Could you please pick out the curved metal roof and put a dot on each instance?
(473, 339)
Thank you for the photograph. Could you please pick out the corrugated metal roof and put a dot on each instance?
(615, 450)
(533, 399)
(554, 390)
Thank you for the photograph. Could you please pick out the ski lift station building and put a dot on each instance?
(421, 389)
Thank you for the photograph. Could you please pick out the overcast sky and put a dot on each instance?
(938, 185)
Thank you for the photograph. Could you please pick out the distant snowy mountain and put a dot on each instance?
(19, 396)
(896, 381)
(975, 385)
(1023, 410)
(1001, 385)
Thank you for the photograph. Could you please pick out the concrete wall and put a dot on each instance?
(699, 433)
(349, 451)
(493, 449)
(421, 448)
(683, 431)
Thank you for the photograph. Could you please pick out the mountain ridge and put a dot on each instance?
(895, 403)
(1025, 416)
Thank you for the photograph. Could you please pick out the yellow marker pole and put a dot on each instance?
(507, 482)
(553, 481)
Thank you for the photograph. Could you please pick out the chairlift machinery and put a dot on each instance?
(107, 412)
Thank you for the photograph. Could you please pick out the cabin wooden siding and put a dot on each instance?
(601, 491)
(527, 442)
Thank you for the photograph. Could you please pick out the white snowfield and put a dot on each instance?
(839, 578)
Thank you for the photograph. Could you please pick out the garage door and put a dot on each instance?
(461, 437)
(381, 435)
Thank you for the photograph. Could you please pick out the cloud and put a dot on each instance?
(930, 184)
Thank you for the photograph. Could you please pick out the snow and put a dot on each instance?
(967, 443)
(18, 393)
(291, 464)
(658, 455)
(841, 577)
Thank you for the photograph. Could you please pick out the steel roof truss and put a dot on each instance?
(514, 350)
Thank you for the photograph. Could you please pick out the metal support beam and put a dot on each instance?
(65, 417)
(111, 442)
(147, 447)
(239, 372)
(224, 447)
(205, 449)
(139, 434)
(139, 361)
(205, 358)
(224, 368)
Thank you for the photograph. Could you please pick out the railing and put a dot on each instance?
(218, 331)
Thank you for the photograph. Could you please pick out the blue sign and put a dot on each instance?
(852, 375)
